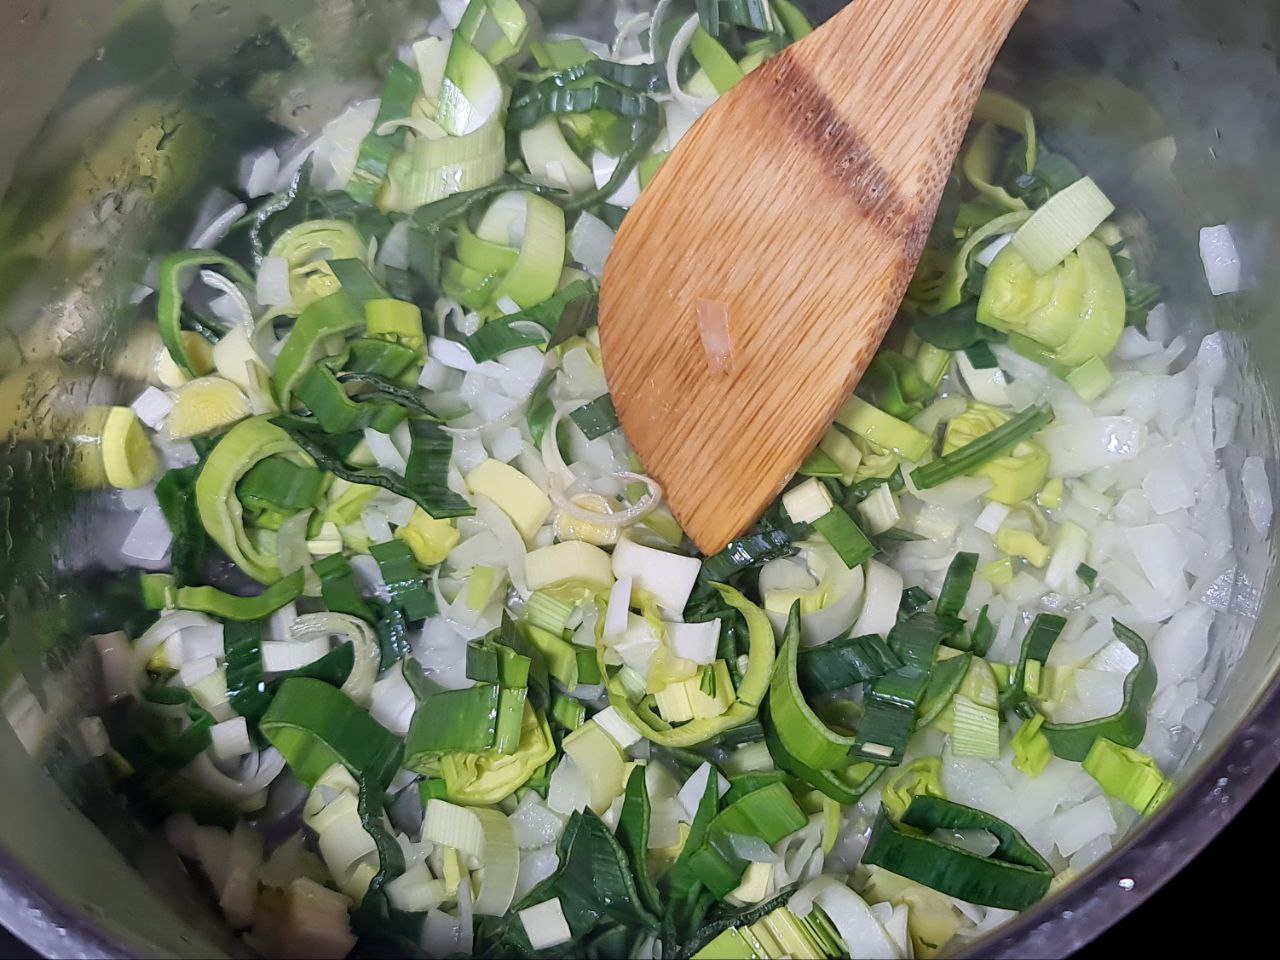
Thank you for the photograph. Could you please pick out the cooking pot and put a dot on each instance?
(116, 119)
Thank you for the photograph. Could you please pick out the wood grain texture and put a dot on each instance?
(802, 201)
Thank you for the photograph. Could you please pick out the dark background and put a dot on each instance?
(1198, 910)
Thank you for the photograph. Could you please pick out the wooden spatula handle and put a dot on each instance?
(842, 137)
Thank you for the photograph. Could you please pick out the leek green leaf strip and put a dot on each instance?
(753, 14)
(718, 64)
(321, 448)
(890, 717)
(744, 783)
(893, 384)
(982, 633)
(768, 813)
(278, 202)
(799, 729)
(1013, 878)
(315, 725)
(247, 443)
(955, 588)
(550, 99)
(753, 550)
(379, 358)
(1125, 727)
(374, 911)
(176, 495)
(846, 537)
(636, 77)
(175, 270)
(426, 472)
(452, 721)
(985, 448)
(643, 134)
(844, 662)
(383, 389)
(633, 836)
(569, 312)
(1139, 296)
(227, 606)
(596, 418)
(430, 232)
(944, 681)
(1040, 638)
(312, 339)
(338, 587)
(248, 689)
(1051, 174)
(793, 19)
(982, 357)
(845, 786)
(409, 592)
(1088, 576)
(957, 329)
(914, 600)
(279, 484)
(402, 86)
(566, 711)
(336, 412)
(501, 336)
(172, 753)
(357, 280)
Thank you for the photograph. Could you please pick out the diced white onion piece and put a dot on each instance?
(1257, 493)
(714, 332)
(152, 407)
(218, 212)
(258, 172)
(451, 353)
(393, 703)
(1162, 556)
(273, 282)
(882, 593)
(1221, 259)
(1085, 445)
(590, 242)
(987, 385)
(567, 790)
(690, 794)
(545, 925)
(281, 656)
(992, 515)
(149, 540)
(668, 577)
(602, 167)
(1182, 644)
(230, 739)
(618, 612)
(694, 641)
(1073, 828)
(384, 450)
(533, 823)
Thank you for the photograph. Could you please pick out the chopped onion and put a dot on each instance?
(713, 330)
(152, 407)
(1257, 493)
(451, 353)
(230, 739)
(1221, 259)
(273, 283)
(590, 242)
(218, 212)
(149, 540)
(1085, 445)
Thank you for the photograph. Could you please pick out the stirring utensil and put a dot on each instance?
(753, 281)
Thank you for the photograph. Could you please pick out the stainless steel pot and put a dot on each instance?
(117, 117)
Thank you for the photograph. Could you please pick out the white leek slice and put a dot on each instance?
(1066, 220)
(614, 724)
(862, 933)
(808, 501)
(453, 826)
(571, 562)
(501, 864)
(551, 161)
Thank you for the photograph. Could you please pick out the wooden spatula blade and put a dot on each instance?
(793, 214)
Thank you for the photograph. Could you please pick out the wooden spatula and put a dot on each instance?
(752, 282)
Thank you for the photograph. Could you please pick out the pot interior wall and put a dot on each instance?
(120, 117)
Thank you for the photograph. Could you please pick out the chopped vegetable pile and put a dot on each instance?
(432, 670)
